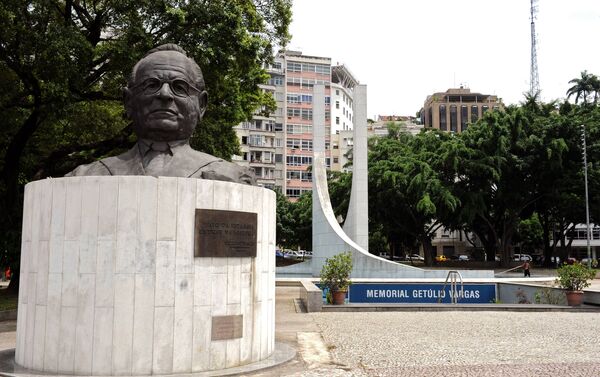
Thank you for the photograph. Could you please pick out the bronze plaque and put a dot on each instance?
(227, 327)
(225, 233)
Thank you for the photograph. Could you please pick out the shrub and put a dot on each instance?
(575, 277)
(335, 273)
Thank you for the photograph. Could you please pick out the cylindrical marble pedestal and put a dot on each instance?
(110, 284)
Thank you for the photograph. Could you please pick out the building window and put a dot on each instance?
(453, 118)
(443, 124)
(336, 160)
(337, 104)
(464, 113)
(279, 142)
(294, 67)
(278, 158)
(298, 160)
(278, 126)
(474, 113)
(429, 117)
(484, 108)
(337, 120)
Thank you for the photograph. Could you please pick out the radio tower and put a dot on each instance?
(534, 78)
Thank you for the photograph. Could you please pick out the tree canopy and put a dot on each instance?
(63, 63)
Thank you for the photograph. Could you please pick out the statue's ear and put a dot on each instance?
(202, 103)
(127, 97)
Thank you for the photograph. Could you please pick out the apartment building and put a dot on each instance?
(279, 147)
(454, 109)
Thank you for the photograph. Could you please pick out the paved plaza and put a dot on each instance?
(445, 343)
(463, 343)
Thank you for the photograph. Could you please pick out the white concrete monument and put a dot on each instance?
(111, 283)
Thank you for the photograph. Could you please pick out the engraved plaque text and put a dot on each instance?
(225, 233)
(227, 327)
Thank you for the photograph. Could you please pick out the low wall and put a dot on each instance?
(311, 296)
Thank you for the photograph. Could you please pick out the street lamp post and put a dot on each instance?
(587, 206)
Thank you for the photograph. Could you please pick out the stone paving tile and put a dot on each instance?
(463, 343)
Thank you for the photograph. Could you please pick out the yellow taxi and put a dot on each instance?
(441, 258)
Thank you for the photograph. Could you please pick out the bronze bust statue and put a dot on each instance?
(165, 98)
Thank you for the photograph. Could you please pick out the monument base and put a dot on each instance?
(110, 284)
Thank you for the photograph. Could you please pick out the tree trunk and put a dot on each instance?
(427, 250)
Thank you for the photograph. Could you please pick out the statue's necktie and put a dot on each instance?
(156, 158)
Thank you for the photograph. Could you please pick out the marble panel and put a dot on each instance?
(70, 273)
(186, 201)
(162, 362)
(104, 274)
(202, 281)
(30, 327)
(143, 324)
(73, 209)
(84, 329)
(233, 345)
(107, 206)
(222, 195)
(205, 194)
(167, 209)
(21, 329)
(38, 337)
(145, 258)
(219, 294)
(165, 273)
(127, 225)
(201, 338)
(42, 276)
(183, 322)
(123, 324)
(103, 339)
(234, 276)
(53, 310)
(44, 215)
(66, 342)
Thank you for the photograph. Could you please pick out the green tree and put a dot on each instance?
(62, 64)
(585, 86)
(409, 187)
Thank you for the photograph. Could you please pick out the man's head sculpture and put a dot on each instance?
(165, 98)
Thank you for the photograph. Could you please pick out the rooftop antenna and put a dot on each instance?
(534, 78)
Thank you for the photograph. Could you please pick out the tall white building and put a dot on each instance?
(279, 147)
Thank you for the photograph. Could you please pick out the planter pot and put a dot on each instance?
(338, 297)
(574, 298)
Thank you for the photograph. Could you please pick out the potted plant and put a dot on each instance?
(335, 275)
(573, 278)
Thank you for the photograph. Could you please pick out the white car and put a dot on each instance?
(463, 258)
(414, 257)
(522, 258)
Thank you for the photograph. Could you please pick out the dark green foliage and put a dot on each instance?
(63, 63)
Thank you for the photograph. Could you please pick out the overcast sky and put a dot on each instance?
(406, 50)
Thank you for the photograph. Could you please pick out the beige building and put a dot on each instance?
(454, 109)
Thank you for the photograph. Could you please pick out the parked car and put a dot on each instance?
(293, 254)
(278, 253)
(464, 258)
(441, 258)
(414, 257)
(522, 258)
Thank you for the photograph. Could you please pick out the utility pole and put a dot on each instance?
(587, 206)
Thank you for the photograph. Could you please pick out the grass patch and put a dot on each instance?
(8, 299)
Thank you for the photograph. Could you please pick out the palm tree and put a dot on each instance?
(584, 86)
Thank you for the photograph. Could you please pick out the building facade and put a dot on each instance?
(454, 109)
(280, 147)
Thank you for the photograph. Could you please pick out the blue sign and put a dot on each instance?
(425, 293)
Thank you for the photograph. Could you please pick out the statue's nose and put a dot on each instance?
(165, 91)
